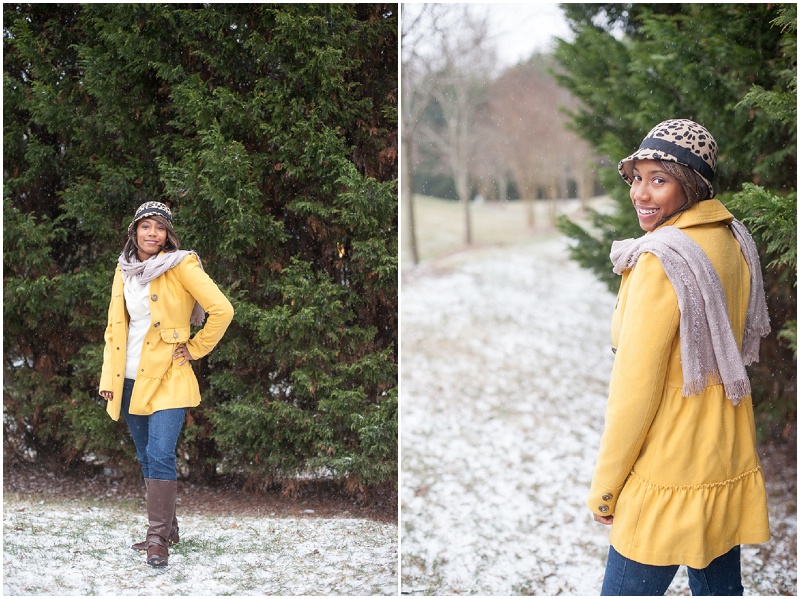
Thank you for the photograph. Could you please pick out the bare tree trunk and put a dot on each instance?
(462, 149)
(407, 198)
(583, 192)
(502, 188)
(530, 204)
(462, 187)
(553, 197)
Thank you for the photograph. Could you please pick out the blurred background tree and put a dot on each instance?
(474, 131)
(732, 68)
(271, 131)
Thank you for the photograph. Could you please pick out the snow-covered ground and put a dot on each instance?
(505, 361)
(56, 547)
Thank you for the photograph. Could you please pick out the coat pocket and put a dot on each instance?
(176, 335)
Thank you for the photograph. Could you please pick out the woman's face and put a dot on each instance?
(656, 194)
(151, 236)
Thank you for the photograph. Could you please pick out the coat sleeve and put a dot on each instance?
(213, 301)
(648, 329)
(106, 375)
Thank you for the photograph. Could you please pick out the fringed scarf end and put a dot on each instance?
(734, 391)
(198, 315)
(696, 386)
(737, 390)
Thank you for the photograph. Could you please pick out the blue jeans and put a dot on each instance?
(155, 436)
(723, 576)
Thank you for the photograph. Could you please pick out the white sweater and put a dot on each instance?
(137, 301)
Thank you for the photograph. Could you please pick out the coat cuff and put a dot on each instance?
(602, 500)
(105, 382)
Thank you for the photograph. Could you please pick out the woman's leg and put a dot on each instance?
(158, 452)
(164, 427)
(137, 425)
(627, 577)
(723, 576)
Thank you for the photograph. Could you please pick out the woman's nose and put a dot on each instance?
(640, 192)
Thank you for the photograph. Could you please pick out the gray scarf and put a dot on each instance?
(709, 353)
(155, 267)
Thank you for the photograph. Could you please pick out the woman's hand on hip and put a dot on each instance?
(182, 352)
(107, 395)
(607, 520)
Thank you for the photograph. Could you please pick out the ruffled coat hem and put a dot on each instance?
(732, 512)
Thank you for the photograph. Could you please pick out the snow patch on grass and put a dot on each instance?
(68, 548)
(506, 357)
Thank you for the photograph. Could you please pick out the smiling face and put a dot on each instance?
(656, 195)
(151, 236)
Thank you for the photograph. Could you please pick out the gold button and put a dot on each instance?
(154, 297)
(608, 497)
(603, 509)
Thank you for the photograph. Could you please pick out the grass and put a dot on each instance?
(440, 224)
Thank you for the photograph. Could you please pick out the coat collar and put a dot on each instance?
(702, 213)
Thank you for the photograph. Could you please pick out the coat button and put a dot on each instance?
(175, 335)
(158, 324)
(608, 497)
(154, 297)
(603, 509)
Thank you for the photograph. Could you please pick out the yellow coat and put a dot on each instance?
(160, 383)
(680, 475)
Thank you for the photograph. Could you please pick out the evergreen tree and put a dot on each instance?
(732, 68)
(271, 130)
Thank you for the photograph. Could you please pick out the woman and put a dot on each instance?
(677, 476)
(157, 293)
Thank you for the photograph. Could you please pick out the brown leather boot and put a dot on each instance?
(174, 536)
(160, 512)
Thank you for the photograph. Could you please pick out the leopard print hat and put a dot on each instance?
(677, 140)
(150, 209)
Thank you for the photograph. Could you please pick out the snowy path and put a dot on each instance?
(61, 548)
(505, 365)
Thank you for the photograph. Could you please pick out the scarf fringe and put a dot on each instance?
(734, 390)
(737, 390)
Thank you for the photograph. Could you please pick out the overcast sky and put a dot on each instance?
(518, 30)
(523, 29)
